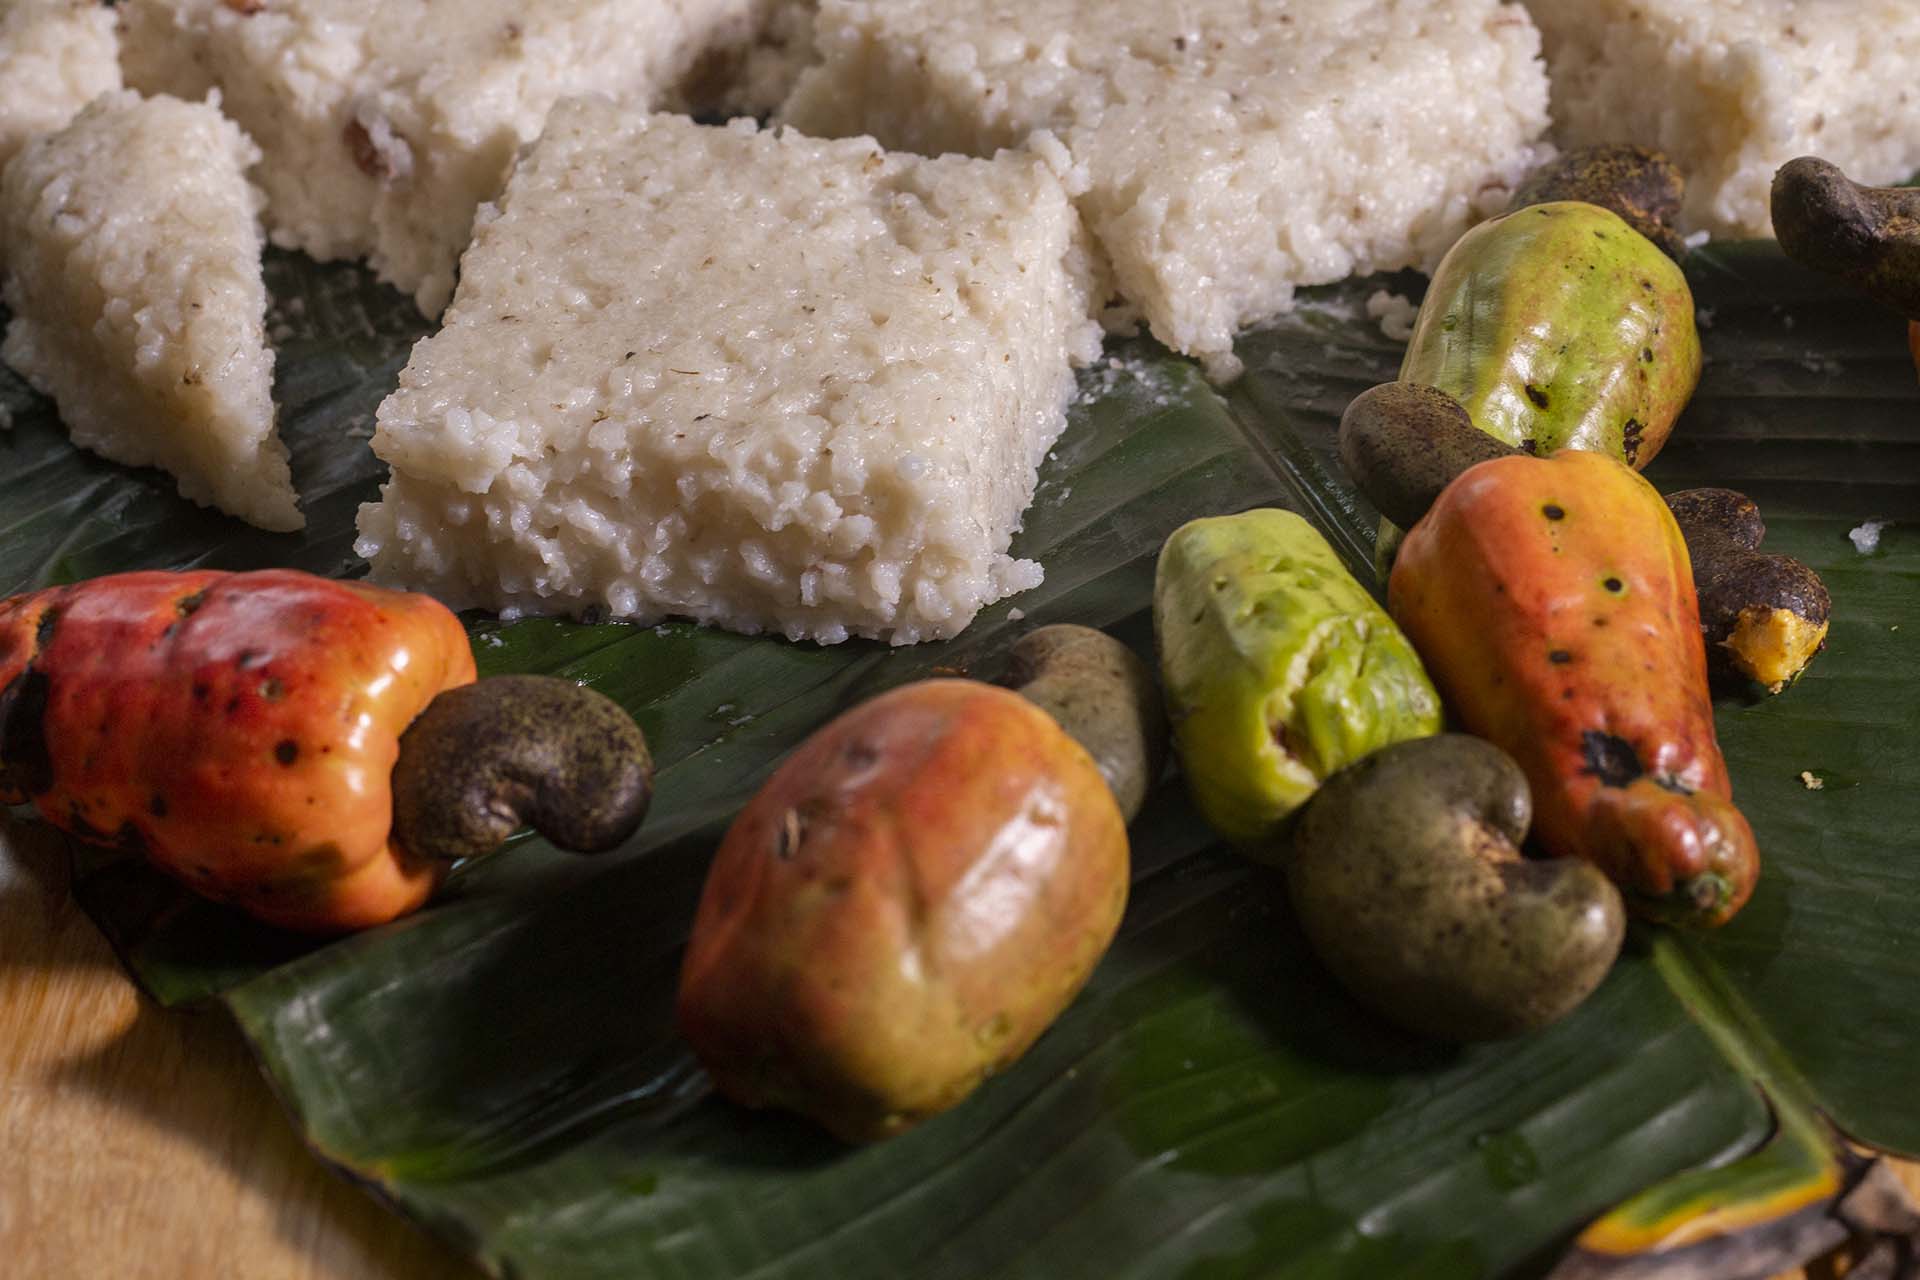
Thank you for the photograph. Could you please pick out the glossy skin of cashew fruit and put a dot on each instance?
(1278, 667)
(1559, 326)
(239, 729)
(908, 902)
(1553, 602)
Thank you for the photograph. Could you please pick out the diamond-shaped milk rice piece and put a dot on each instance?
(1231, 150)
(748, 377)
(133, 275)
(385, 123)
(1733, 89)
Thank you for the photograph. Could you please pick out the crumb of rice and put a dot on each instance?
(1866, 535)
(1394, 312)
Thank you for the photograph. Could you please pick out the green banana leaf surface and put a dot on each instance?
(502, 1067)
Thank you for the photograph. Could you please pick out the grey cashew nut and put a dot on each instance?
(1408, 879)
(488, 758)
(1104, 696)
(1867, 236)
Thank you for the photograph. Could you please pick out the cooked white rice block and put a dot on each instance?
(1231, 149)
(766, 71)
(747, 377)
(134, 280)
(56, 56)
(1733, 89)
(386, 122)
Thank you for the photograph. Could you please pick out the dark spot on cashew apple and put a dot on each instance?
(1403, 443)
(1409, 881)
(187, 606)
(1643, 187)
(1539, 397)
(1610, 759)
(26, 763)
(486, 758)
(1554, 511)
(1559, 657)
(286, 751)
(1104, 696)
(44, 629)
(1867, 236)
(157, 806)
(1763, 616)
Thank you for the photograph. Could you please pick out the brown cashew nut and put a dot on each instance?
(1644, 187)
(1408, 879)
(488, 758)
(1764, 616)
(1867, 236)
(1104, 696)
(1403, 443)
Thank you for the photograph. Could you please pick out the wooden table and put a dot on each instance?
(143, 1143)
(137, 1142)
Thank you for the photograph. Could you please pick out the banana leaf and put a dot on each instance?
(502, 1068)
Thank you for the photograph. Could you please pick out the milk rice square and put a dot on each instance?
(56, 56)
(384, 123)
(742, 376)
(1228, 150)
(1733, 89)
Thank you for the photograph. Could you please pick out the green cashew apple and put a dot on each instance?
(1279, 669)
(1559, 326)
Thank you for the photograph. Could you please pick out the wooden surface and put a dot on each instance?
(140, 1143)
(135, 1142)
